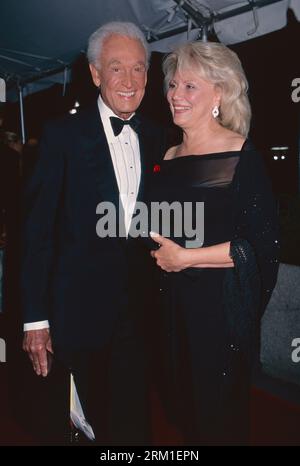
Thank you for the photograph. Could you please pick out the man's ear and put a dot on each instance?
(95, 75)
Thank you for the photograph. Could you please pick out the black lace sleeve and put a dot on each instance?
(256, 218)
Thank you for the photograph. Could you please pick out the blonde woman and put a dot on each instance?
(213, 296)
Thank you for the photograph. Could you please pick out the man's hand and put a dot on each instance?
(38, 345)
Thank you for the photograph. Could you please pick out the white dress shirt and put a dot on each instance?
(125, 155)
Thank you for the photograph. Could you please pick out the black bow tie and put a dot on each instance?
(117, 124)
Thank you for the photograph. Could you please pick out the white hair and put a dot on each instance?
(119, 28)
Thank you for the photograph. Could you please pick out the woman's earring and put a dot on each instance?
(215, 112)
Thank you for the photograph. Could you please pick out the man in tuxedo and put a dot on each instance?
(84, 295)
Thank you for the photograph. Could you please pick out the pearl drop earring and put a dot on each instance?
(215, 112)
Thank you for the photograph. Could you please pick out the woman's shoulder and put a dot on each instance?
(232, 142)
(229, 142)
(225, 141)
(171, 152)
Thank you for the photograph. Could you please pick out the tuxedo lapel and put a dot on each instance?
(96, 151)
(98, 158)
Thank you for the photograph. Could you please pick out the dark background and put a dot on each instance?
(271, 62)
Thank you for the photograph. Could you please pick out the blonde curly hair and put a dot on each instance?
(219, 65)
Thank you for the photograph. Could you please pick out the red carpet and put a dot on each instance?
(274, 421)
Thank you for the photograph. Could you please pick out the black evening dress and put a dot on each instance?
(238, 203)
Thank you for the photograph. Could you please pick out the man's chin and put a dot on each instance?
(128, 106)
(126, 112)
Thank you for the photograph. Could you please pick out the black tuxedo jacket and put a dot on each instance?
(70, 276)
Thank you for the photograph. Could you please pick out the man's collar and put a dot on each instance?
(106, 113)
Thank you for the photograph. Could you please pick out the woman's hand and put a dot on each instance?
(170, 257)
(173, 258)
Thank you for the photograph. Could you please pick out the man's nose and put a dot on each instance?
(127, 79)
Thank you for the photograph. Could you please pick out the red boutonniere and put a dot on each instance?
(156, 168)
